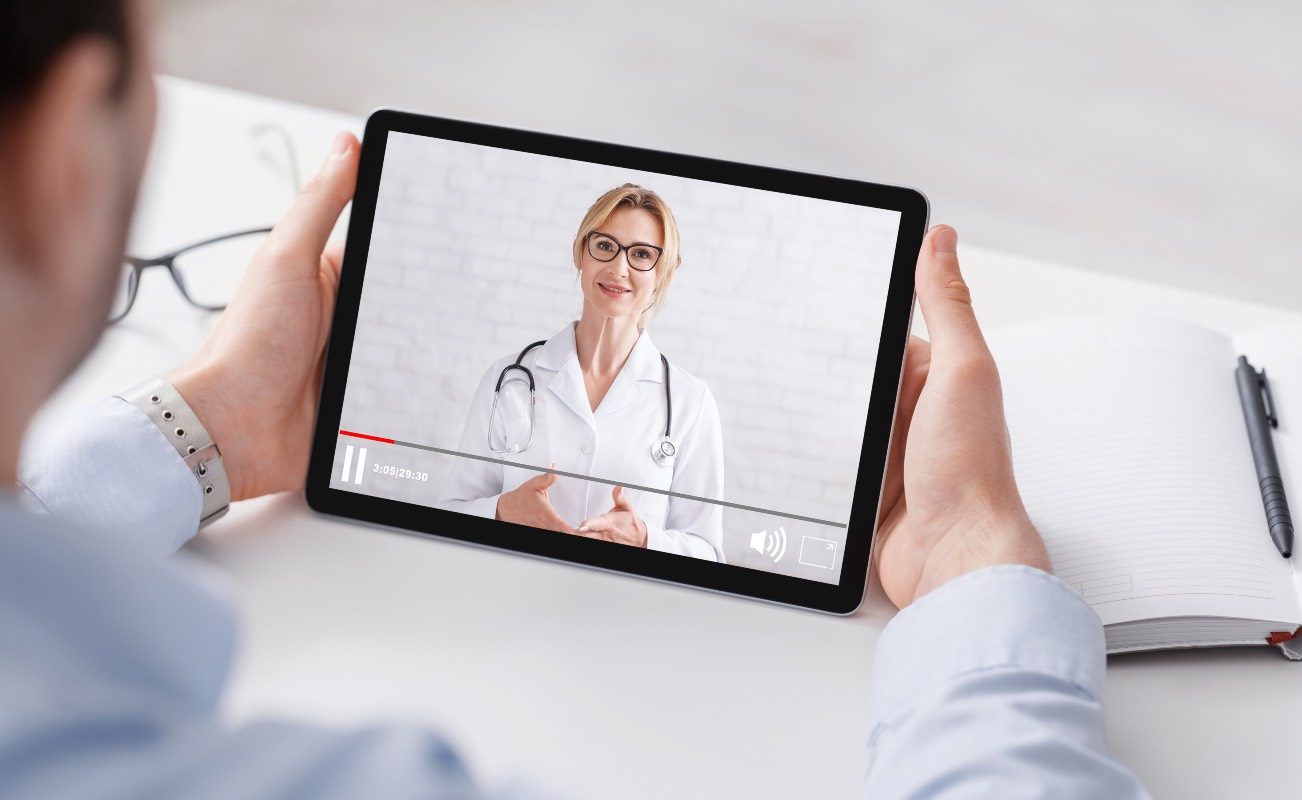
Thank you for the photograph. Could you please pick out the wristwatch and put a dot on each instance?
(168, 410)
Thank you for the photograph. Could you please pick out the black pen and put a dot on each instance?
(1253, 388)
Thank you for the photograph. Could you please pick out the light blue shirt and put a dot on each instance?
(114, 651)
(992, 686)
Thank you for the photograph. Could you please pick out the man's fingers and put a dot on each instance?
(306, 227)
(944, 297)
(333, 258)
(917, 362)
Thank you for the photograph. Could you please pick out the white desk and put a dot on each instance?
(598, 685)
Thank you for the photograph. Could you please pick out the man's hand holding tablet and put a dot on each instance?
(950, 504)
(963, 510)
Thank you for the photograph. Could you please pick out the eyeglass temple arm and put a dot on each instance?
(222, 238)
(163, 259)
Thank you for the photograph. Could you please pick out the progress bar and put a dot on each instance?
(652, 489)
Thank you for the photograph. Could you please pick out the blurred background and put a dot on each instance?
(1160, 140)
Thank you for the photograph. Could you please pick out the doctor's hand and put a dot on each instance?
(620, 524)
(950, 503)
(528, 504)
(254, 382)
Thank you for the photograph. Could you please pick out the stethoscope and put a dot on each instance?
(662, 452)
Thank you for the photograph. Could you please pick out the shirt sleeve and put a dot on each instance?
(111, 469)
(992, 686)
(118, 755)
(691, 527)
(112, 670)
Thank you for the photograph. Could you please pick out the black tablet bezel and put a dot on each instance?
(843, 597)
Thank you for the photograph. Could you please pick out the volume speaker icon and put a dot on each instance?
(770, 543)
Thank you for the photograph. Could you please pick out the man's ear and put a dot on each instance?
(59, 160)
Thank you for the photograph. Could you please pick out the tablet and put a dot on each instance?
(669, 366)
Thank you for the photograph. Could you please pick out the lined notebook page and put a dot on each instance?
(1279, 350)
(1131, 455)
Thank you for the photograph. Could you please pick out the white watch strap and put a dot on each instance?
(168, 410)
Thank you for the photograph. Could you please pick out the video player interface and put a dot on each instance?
(644, 359)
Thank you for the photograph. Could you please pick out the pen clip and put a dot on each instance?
(1270, 400)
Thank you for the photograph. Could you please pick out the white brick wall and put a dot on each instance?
(777, 306)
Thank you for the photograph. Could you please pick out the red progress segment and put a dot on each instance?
(356, 435)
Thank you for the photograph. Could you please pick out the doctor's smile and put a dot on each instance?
(599, 399)
(614, 290)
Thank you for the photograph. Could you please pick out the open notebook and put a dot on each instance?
(1133, 459)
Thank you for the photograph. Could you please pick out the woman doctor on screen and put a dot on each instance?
(598, 399)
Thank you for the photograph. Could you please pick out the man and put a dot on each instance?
(113, 657)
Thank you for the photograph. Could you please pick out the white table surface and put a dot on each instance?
(597, 685)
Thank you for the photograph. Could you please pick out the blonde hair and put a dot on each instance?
(630, 195)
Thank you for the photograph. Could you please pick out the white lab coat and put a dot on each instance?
(614, 443)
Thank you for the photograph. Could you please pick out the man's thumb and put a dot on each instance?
(307, 225)
(944, 297)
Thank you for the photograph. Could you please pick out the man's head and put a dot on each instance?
(76, 114)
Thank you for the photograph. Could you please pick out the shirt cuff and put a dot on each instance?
(111, 468)
(1009, 616)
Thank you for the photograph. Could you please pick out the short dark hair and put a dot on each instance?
(34, 32)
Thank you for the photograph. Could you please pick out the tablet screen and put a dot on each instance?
(648, 360)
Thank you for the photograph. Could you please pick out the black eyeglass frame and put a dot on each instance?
(623, 248)
(168, 260)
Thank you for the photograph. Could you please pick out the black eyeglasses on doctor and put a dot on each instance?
(641, 256)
